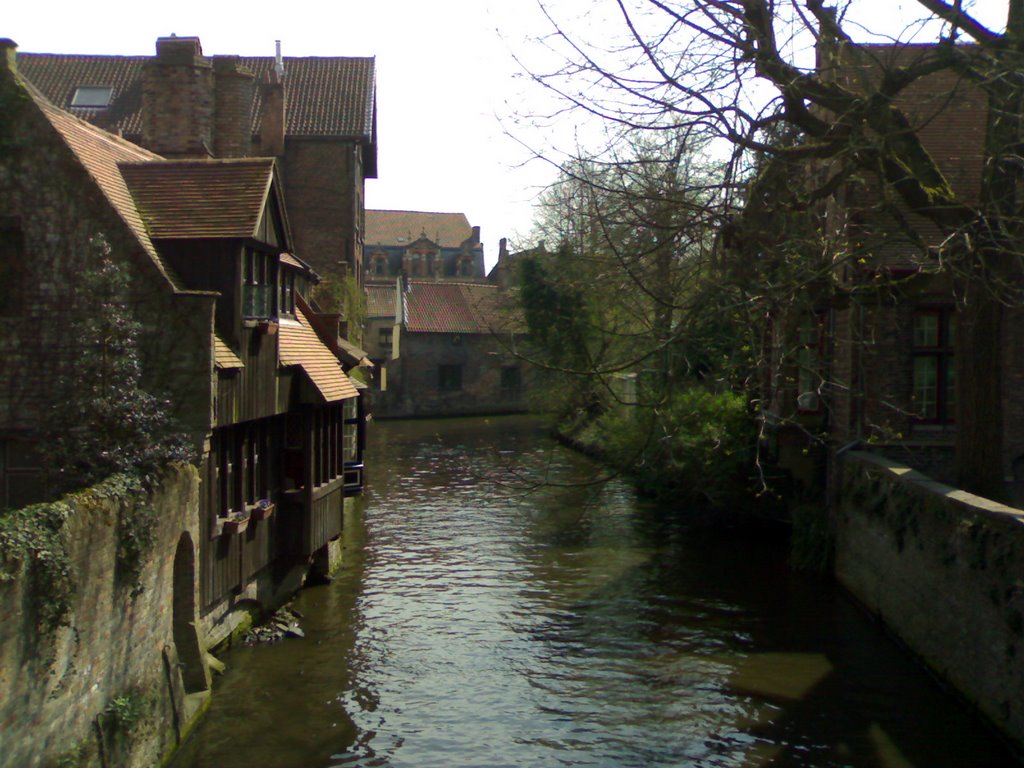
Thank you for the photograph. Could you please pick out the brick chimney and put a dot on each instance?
(233, 95)
(9, 51)
(272, 116)
(178, 99)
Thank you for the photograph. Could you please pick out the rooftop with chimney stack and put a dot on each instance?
(331, 96)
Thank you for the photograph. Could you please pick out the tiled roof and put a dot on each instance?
(300, 346)
(201, 198)
(357, 355)
(949, 115)
(380, 300)
(446, 307)
(57, 76)
(448, 230)
(101, 153)
(326, 96)
(948, 112)
(223, 357)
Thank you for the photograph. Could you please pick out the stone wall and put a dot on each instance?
(129, 649)
(945, 571)
(414, 382)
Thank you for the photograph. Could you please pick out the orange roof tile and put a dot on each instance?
(201, 198)
(300, 346)
(380, 300)
(100, 153)
(327, 96)
(223, 356)
(447, 307)
(448, 230)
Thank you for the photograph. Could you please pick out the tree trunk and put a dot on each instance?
(979, 401)
(992, 279)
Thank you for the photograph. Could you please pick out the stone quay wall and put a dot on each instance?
(944, 570)
(108, 687)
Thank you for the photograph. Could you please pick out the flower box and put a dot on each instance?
(262, 509)
(237, 523)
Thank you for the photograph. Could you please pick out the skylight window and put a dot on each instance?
(92, 96)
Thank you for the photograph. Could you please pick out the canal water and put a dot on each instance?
(501, 609)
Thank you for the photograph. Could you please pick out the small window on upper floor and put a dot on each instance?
(92, 96)
(287, 300)
(257, 284)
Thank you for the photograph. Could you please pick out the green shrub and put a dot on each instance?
(34, 536)
(698, 447)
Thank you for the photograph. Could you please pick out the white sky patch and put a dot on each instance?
(448, 88)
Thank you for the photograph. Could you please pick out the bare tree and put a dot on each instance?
(733, 72)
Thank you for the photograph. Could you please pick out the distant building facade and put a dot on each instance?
(422, 245)
(445, 348)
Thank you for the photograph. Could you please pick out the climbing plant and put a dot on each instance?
(102, 421)
(32, 539)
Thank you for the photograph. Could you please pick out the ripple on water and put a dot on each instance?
(572, 626)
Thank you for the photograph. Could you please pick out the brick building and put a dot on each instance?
(869, 357)
(253, 375)
(446, 348)
(316, 115)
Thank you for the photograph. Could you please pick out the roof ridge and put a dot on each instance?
(183, 161)
(449, 281)
(86, 55)
(427, 213)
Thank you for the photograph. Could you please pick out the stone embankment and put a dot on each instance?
(944, 570)
(118, 675)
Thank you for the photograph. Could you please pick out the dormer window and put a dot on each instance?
(93, 96)
(257, 284)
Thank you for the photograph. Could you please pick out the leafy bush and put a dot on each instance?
(102, 421)
(700, 446)
(34, 536)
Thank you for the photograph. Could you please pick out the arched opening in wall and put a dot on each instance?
(194, 673)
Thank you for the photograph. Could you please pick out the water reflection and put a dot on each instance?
(485, 624)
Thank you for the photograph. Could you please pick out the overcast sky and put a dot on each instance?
(446, 90)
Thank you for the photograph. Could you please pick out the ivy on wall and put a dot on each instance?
(33, 538)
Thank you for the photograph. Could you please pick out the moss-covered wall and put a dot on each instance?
(945, 571)
(107, 684)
